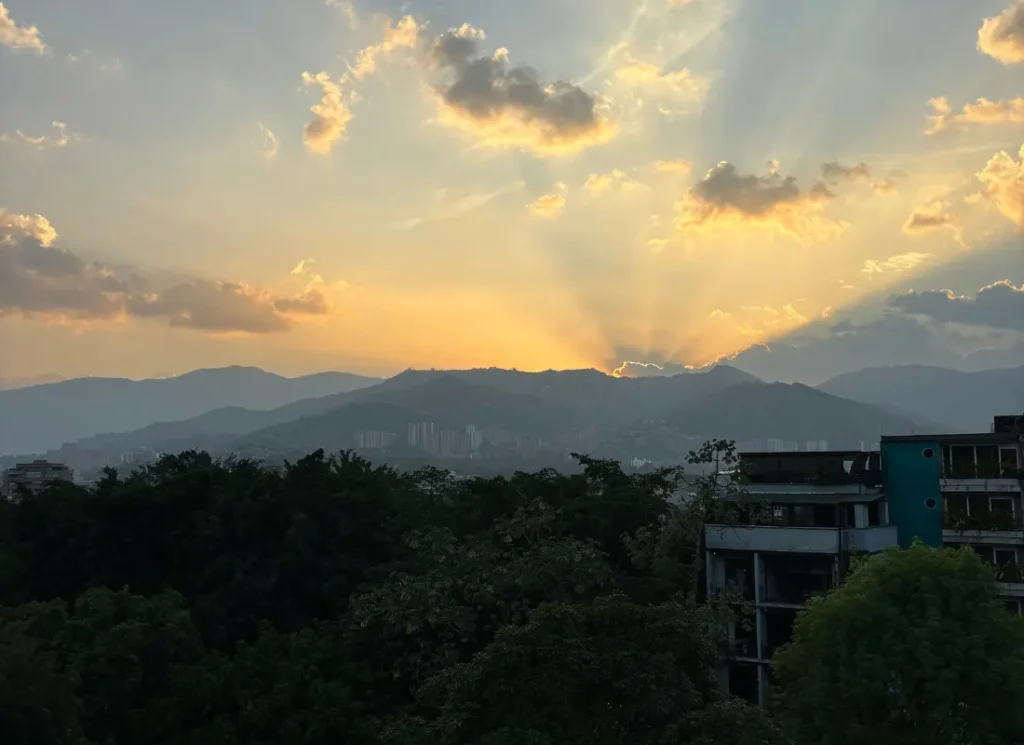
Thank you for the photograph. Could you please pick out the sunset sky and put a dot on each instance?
(306, 185)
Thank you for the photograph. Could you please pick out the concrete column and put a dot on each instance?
(860, 516)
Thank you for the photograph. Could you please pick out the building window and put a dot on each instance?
(1001, 505)
(928, 453)
(930, 503)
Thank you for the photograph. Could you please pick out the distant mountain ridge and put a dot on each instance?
(967, 401)
(41, 417)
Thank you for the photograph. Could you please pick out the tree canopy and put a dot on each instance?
(202, 602)
(915, 647)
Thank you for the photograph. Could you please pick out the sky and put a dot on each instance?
(638, 186)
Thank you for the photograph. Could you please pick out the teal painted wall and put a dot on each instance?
(910, 480)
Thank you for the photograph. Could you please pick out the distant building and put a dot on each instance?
(34, 477)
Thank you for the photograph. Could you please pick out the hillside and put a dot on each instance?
(965, 401)
(791, 412)
(41, 417)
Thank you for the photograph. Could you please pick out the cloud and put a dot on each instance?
(36, 227)
(107, 65)
(898, 263)
(271, 144)
(999, 305)
(1003, 179)
(39, 279)
(982, 111)
(673, 166)
(834, 173)
(42, 142)
(547, 206)
(597, 183)
(726, 198)
(932, 216)
(330, 117)
(402, 35)
(348, 9)
(884, 187)
(302, 267)
(14, 36)
(669, 90)
(1002, 37)
(505, 106)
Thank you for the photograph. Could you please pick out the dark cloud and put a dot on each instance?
(834, 173)
(999, 305)
(510, 106)
(726, 197)
(48, 281)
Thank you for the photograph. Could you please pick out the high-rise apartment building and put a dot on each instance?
(814, 511)
(34, 477)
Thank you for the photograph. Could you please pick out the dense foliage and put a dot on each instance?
(915, 647)
(200, 602)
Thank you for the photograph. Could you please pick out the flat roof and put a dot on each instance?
(969, 438)
(806, 453)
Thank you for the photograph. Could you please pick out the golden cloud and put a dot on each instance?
(330, 117)
(402, 35)
(506, 106)
(1003, 179)
(547, 206)
(14, 36)
(724, 198)
(41, 142)
(982, 111)
(1002, 37)
(597, 183)
(673, 166)
(14, 227)
(932, 216)
(39, 279)
(667, 88)
(885, 186)
(894, 264)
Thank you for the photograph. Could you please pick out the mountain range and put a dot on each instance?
(248, 410)
(40, 417)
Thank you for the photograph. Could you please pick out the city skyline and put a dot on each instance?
(333, 185)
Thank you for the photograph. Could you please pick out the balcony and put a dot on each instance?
(768, 538)
(984, 528)
(1010, 578)
(870, 540)
(817, 469)
(775, 539)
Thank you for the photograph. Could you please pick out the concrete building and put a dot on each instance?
(34, 477)
(818, 509)
(815, 509)
(963, 490)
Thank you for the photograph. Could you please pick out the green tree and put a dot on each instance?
(606, 673)
(37, 703)
(915, 647)
(123, 650)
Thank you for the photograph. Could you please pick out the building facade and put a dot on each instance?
(963, 490)
(34, 477)
(814, 511)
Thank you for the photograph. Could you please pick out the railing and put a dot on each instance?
(1004, 521)
(869, 478)
(981, 471)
